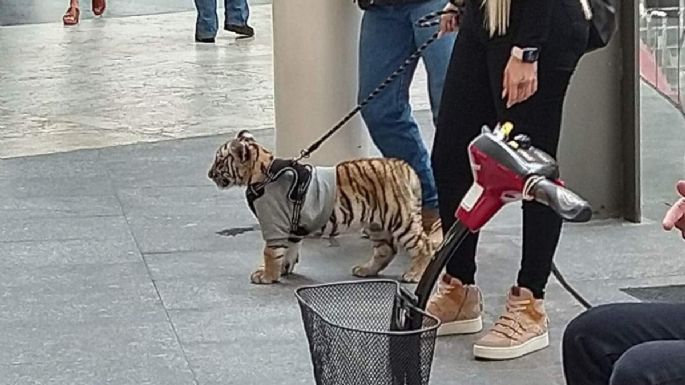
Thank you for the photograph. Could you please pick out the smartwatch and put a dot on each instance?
(526, 55)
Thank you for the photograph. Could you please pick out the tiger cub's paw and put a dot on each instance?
(261, 277)
(288, 268)
(363, 271)
(411, 277)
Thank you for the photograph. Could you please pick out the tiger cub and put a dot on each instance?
(292, 200)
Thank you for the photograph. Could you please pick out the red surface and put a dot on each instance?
(496, 182)
(652, 74)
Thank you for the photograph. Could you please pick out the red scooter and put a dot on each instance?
(504, 171)
(377, 332)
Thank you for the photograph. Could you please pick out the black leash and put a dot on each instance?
(430, 20)
(557, 274)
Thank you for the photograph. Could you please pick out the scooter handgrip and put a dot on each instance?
(563, 201)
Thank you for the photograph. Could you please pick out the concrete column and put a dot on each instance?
(600, 143)
(315, 75)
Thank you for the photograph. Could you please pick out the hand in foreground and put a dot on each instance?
(675, 217)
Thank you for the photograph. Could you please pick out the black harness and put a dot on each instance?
(302, 177)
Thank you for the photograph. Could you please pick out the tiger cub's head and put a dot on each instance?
(240, 162)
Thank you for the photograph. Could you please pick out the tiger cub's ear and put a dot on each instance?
(245, 135)
(239, 150)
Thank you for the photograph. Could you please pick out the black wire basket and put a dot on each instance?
(367, 333)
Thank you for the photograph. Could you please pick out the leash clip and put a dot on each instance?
(304, 154)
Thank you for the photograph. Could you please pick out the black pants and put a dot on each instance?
(626, 344)
(472, 98)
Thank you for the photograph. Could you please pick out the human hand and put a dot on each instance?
(449, 22)
(675, 217)
(520, 81)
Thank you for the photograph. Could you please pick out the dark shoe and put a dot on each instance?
(244, 30)
(204, 39)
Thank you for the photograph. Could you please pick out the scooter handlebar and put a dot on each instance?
(563, 201)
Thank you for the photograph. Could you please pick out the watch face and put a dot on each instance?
(530, 55)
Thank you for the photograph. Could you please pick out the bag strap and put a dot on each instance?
(587, 10)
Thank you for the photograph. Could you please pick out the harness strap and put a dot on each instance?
(296, 194)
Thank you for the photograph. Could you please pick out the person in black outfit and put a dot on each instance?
(629, 343)
(512, 61)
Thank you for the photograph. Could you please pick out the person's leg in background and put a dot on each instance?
(466, 105)
(540, 117)
(523, 326)
(237, 15)
(436, 59)
(387, 39)
(626, 344)
(207, 22)
(541, 225)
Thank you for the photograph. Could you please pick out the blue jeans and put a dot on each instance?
(237, 13)
(389, 34)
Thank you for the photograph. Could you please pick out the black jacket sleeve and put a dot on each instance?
(535, 23)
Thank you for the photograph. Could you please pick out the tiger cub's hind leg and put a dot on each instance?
(384, 251)
(419, 247)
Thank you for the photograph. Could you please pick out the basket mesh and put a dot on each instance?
(348, 326)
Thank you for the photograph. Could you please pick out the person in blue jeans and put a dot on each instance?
(389, 34)
(207, 25)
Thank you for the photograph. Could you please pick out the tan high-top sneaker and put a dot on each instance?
(522, 329)
(458, 306)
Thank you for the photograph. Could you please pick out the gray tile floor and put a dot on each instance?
(113, 269)
(114, 272)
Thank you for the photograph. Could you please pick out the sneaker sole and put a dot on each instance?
(508, 353)
(471, 326)
(241, 34)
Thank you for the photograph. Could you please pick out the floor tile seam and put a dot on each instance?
(56, 240)
(641, 277)
(139, 143)
(152, 281)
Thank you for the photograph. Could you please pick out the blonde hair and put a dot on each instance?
(497, 16)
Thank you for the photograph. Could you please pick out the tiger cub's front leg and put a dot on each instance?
(292, 257)
(270, 270)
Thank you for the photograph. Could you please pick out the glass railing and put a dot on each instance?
(662, 55)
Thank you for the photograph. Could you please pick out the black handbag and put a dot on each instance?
(602, 23)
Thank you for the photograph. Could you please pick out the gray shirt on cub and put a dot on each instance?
(297, 202)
